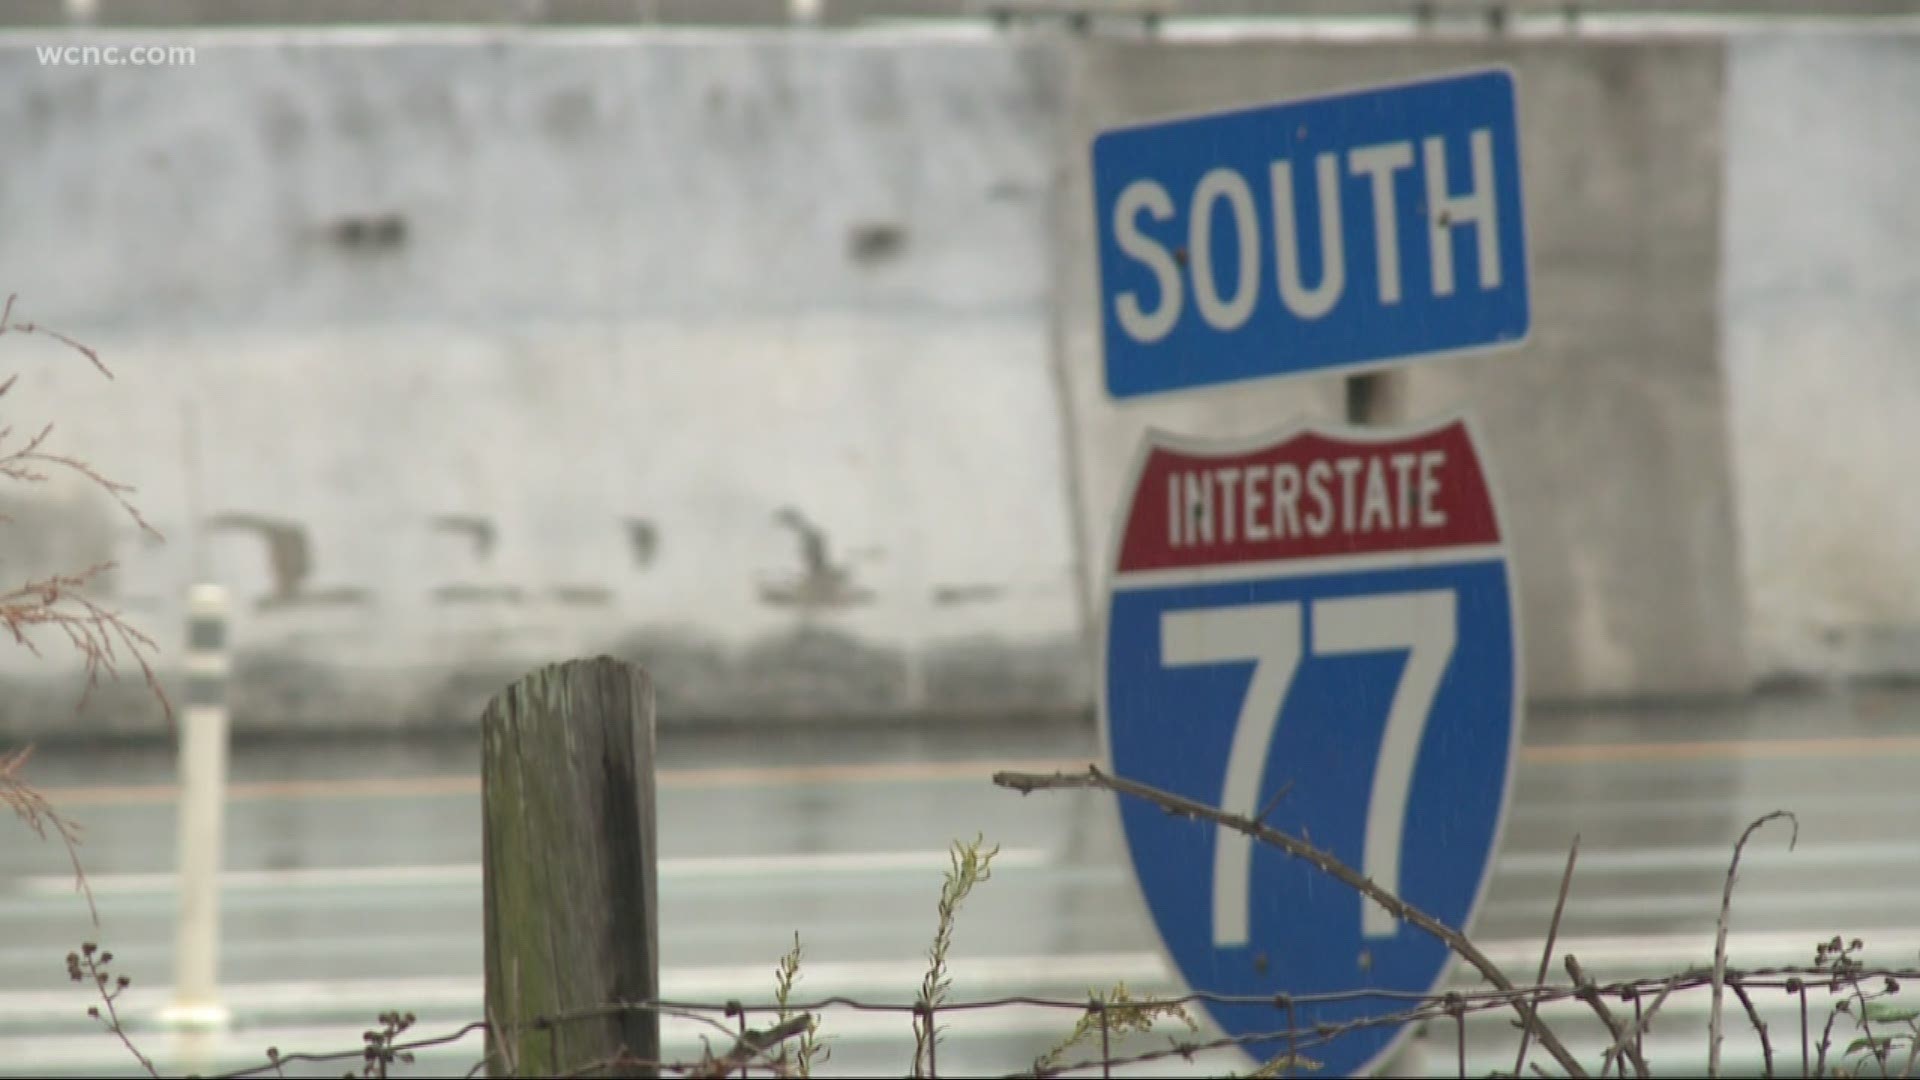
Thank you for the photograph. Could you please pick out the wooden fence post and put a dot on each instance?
(567, 799)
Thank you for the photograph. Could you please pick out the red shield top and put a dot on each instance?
(1309, 494)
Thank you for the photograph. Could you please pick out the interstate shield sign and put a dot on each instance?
(1320, 625)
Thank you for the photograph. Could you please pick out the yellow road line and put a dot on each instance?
(744, 776)
(692, 779)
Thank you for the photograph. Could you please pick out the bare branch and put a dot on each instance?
(1546, 954)
(1093, 777)
(7, 324)
(1637, 1028)
(755, 1044)
(1720, 936)
(1585, 991)
(1759, 1025)
(37, 813)
(92, 630)
(90, 965)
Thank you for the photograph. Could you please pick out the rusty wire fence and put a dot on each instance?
(1851, 1021)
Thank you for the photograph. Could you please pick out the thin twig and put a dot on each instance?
(1637, 1028)
(754, 1044)
(7, 323)
(1026, 783)
(1826, 1041)
(36, 812)
(96, 973)
(1585, 991)
(1720, 935)
(1546, 954)
(1759, 1025)
(92, 630)
(1274, 803)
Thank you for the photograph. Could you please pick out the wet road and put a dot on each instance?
(354, 882)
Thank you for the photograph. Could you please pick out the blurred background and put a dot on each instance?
(756, 342)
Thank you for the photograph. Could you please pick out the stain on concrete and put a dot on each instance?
(821, 584)
(289, 562)
(75, 100)
(873, 243)
(479, 594)
(569, 114)
(582, 595)
(58, 530)
(458, 698)
(643, 538)
(283, 127)
(278, 688)
(478, 530)
(952, 595)
(431, 105)
(340, 596)
(1874, 650)
(879, 96)
(289, 552)
(369, 233)
(37, 105)
(817, 672)
(355, 118)
(1012, 190)
(988, 674)
(34, 707)
(806, 674)
(692, 673)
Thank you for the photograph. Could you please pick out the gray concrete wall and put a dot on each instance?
(1823, 316)
(622, 297)
(1608, 431)
(622, 300)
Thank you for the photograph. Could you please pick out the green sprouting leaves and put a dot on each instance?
(811, 1051)
(1120, 1015)
(1891, 1013)
(972, 864)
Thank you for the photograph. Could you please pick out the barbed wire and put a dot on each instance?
(1302, 1024)
(1287, 1048)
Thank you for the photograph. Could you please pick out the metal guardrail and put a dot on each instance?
(746, 13)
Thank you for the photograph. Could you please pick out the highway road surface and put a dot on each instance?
(354, 884)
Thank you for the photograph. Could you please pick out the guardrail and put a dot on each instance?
(748, 13)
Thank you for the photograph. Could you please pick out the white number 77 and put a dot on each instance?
(1269, 634)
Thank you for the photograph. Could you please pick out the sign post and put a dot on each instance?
(1316, 626)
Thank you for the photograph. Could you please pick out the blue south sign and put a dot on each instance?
(1335, 233)
(1317, 626)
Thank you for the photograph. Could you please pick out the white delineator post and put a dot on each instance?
(203, 797)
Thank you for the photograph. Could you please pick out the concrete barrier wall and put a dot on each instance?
(509, 347)
(514, 353)
(1822, 321)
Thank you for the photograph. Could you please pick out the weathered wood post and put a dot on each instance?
(567, 798)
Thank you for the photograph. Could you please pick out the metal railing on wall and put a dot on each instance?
(748, 13)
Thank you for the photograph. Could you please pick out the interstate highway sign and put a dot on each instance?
(1328, 613)
(1328, 234)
